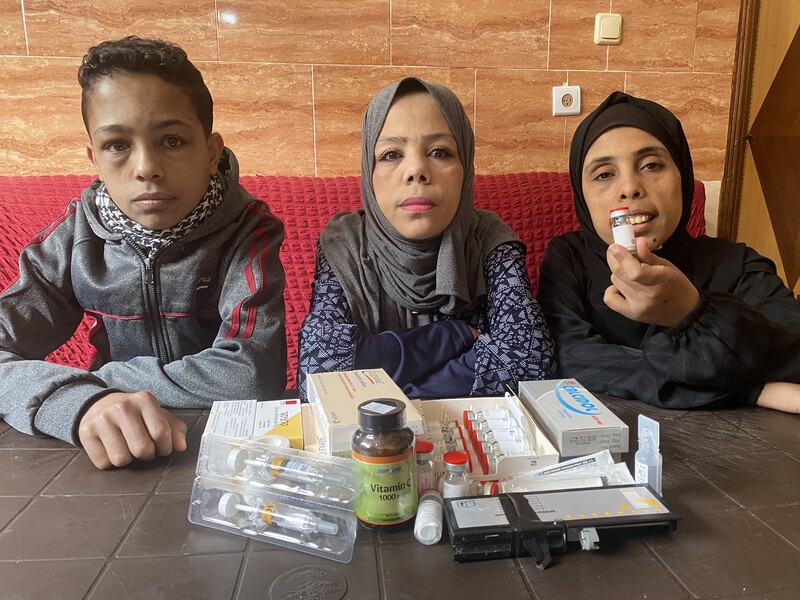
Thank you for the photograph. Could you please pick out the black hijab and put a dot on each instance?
(392, 282)
(623, 110)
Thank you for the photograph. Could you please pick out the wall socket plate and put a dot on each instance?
(566, 100)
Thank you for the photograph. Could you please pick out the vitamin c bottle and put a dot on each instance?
(622, 228)
(383, 449)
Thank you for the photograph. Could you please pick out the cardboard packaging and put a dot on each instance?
(541, 452)
(335, 397)
(250, 418)
(574, 419)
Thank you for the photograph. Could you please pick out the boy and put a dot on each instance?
(178, 264)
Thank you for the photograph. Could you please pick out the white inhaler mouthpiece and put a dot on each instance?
(648, 460)
(622, 228)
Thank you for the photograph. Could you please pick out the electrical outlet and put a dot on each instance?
(566, 100)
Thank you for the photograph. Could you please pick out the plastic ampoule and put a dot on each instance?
(239, 459)
(269, 513)
(647, 460)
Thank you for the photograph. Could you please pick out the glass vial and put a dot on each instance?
(428, 525)
(622, 228)
(383, 449)
(455, 481)
(425, 479)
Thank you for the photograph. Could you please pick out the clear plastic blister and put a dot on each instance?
(327, 479)
(278, 495)
(267, 516)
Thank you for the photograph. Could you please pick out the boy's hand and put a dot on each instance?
(120, 427)
(648, 290)
(780, 395)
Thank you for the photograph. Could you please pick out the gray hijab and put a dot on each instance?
(392, 282)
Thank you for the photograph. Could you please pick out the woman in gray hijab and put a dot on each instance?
(418, 282)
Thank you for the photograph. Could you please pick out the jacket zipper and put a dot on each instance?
(155, 314)
(154, 308)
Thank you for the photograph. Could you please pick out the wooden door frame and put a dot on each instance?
(738, 120)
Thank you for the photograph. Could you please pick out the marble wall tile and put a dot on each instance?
(717, 24)
(41, 131)
(304, 31)
(265, 116)
(470, 33)
(657, 35)
(12, 30)
(572, 35)
(291, 79)
(702, 103)
(68, 28)
(342, 93)
(595, 87)
(515, 129)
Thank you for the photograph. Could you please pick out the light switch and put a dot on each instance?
(607, 29)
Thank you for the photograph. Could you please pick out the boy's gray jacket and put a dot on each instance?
(204, 321)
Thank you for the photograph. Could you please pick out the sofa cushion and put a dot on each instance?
(537, 206)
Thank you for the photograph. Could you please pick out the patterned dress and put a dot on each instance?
(441, 358)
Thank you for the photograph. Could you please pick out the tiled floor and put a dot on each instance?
(70, 531)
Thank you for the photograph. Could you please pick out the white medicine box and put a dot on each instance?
(335, 396)
(576, 421)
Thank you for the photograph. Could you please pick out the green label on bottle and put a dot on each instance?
(389, 489)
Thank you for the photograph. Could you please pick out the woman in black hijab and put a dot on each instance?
(419, 282)
(682, 322)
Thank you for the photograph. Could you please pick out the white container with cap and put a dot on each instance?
(455, 481)
(622, 228)
(428, 524)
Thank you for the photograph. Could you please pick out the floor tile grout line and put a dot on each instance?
(771, 528)
(112, 557)
(38, 494)
(690, 466)
(525, 579)
(237, 586)
(668, 569)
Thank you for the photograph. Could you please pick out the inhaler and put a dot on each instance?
(648, 458)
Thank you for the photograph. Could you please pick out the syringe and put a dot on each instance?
(260, 512)
(239, 459)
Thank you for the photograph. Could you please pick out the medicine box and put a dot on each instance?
(314, 440)
(335, 397)
(250, 418)
(540, 452)
(576, 421)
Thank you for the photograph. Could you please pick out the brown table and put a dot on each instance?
(68, 530)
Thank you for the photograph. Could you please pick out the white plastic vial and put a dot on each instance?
(428, 526)
(455, 481)
(622, 228)
(648, 461)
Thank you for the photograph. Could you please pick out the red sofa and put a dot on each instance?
(537, 206)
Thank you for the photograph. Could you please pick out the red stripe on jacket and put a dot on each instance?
(42, 236)
(255, 292)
